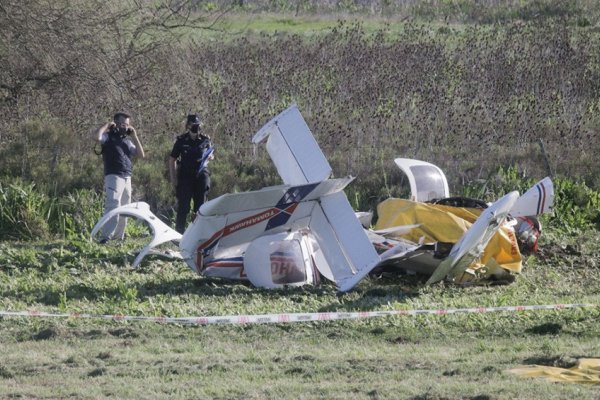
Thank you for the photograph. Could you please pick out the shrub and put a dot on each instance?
(23, 211)
(576, 206)
(74, 214)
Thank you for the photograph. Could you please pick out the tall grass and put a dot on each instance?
(28, 212)
(23, 211)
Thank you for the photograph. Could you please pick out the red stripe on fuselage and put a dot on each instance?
(250, 221)
(242, 224)
(224, 264)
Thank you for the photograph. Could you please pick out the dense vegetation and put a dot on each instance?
(441, 81)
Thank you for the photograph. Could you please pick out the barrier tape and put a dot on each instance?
(294, 317)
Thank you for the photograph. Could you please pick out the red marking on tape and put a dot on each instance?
(300, 317)
(284, 318)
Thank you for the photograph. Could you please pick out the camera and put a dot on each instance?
(121, 131)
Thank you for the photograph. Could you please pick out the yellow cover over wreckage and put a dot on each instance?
(587, 370)
(438, 223)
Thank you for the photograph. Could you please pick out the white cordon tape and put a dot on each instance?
(294, 317)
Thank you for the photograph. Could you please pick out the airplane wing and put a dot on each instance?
(473, 242)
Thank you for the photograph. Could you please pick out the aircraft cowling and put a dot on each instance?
(279, 260)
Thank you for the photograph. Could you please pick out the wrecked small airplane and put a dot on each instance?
(292, 234)
(442, 225)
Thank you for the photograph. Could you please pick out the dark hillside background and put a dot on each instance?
(470, 86)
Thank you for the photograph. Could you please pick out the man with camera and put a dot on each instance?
(188, 169)
(120, 144)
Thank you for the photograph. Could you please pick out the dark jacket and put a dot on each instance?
(117, 152)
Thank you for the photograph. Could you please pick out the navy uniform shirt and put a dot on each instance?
(189, 153)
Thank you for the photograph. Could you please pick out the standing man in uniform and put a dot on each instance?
(120, 144)
(188, 169)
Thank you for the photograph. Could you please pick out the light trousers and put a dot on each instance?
(118, 193)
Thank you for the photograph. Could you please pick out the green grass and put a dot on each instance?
(272, 362)
(232, 26)
(424, 357)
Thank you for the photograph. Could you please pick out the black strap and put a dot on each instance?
(465, 202)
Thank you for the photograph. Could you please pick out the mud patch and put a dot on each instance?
(123, 333)
(558, 361)
(550, 328)
(97, 372)
(52, 333)
(6, 373)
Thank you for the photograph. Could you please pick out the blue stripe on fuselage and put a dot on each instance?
(295, 194)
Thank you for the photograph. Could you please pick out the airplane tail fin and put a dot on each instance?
(293, 149)
(342, 250)
(537, 200)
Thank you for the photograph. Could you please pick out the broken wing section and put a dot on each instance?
(293, 149)
(472, 244)
(161, 232)
(342, 242)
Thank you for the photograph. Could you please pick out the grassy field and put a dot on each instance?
(426, 357)
(438, 80)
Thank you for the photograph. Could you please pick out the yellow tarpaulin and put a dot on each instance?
(587, 370)
(448, 224)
